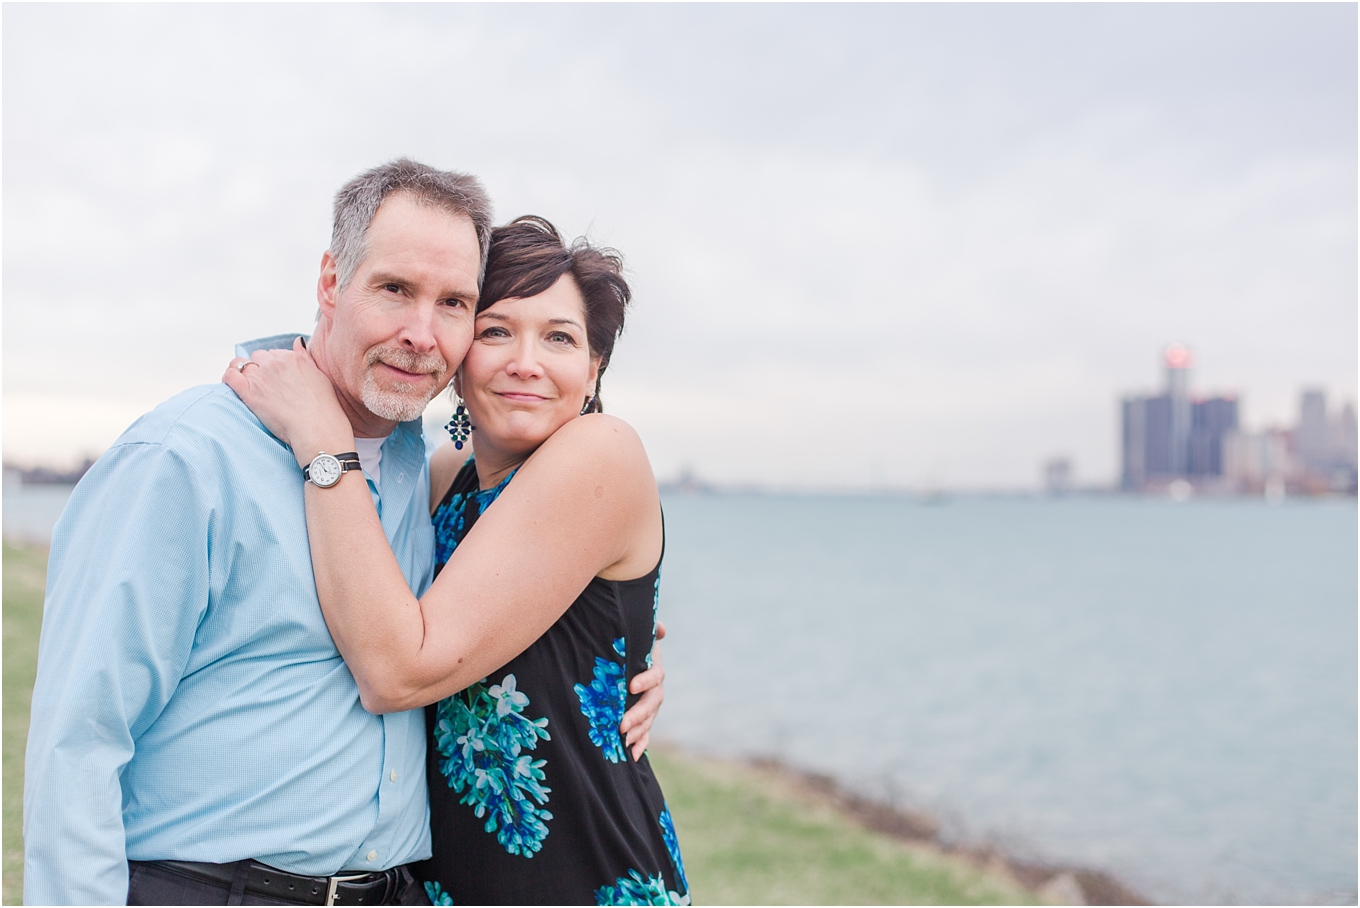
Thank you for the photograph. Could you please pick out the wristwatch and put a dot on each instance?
(325, 469)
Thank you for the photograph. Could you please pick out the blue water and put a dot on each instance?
(30, 512)
(1164, 691)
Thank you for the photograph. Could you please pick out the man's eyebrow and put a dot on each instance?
(379, 277)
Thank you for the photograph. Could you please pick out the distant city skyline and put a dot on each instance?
(1184, 439)
(909, 246)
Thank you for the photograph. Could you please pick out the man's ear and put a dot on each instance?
(326, 285)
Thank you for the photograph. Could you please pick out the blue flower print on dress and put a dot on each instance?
(635, 890)
(603, 703)
(482, 732)
(673, 845)
(450, 521)
(437, 894)
(448, 528)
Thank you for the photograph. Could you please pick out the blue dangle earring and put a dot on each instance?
(460, 425)
(589, 402)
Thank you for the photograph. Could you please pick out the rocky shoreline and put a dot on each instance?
(1050, 882)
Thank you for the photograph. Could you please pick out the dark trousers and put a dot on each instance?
(150, 883)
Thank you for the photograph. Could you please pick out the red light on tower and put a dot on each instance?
(1178, 357)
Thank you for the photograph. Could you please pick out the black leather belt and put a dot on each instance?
(261, 879)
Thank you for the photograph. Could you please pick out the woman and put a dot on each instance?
(538, 617)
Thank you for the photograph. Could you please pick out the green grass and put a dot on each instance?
(25, 570)
(748, 837)
(751, 837)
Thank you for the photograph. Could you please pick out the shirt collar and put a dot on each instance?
(273, 342)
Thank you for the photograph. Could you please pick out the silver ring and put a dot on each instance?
(241, 366)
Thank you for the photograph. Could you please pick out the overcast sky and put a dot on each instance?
(905, 245)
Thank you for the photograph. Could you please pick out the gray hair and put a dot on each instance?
(358, 200)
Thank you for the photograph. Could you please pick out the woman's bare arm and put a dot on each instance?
(648, 685)
(583, 503)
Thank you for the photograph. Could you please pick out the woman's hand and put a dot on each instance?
(292, 397)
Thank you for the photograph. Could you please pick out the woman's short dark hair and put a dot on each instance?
(527, 256)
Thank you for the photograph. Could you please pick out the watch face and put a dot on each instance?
(325, 471)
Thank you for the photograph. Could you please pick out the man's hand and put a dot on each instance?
(637, 722)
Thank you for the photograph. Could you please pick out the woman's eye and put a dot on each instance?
(494, 331)
(561, 337)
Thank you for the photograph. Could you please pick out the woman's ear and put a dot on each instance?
(594, 371)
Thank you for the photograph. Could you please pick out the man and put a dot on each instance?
(195, 736)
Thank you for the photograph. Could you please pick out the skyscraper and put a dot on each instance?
(1171, 436)
(1135, 443)
(1177, 360)
(1311, 436)
(1211, 420)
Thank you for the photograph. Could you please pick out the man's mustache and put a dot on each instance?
(429, 363)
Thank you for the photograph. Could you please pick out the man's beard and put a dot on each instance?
(396, 405)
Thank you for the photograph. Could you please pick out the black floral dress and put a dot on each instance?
(533, 797)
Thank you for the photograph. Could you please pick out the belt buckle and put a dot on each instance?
(334, 885)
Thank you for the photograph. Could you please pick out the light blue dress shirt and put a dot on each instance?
(190, 704)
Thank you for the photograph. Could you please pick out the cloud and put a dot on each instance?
(882, 244)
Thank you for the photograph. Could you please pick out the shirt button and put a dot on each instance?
(394, 775)
(371, 856)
